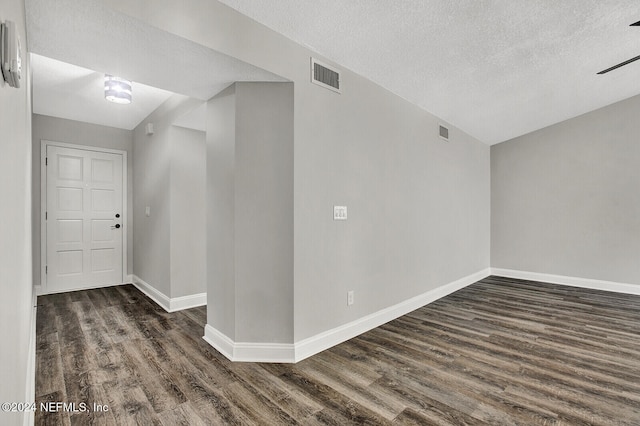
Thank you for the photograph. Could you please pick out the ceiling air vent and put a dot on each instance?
(444, 133)
(324, 75)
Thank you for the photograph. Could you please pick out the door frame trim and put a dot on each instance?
(44, 144)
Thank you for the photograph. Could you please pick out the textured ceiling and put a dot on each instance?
(496, 69)
(86, 34)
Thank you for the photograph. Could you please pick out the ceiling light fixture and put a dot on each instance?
(117, 89)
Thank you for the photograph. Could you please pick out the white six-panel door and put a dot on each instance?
(84, 219)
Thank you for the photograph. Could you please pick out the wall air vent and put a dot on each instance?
(325, 75)
(444, 132)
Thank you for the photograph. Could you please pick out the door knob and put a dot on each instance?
(117, 215)
(116, 226)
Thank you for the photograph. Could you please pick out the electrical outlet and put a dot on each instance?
(350, 298)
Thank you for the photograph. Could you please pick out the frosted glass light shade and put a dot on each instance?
(117, 89)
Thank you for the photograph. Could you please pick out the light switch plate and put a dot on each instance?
(339, 212)
(147, 211)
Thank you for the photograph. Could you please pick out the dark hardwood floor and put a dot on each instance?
(498, 352)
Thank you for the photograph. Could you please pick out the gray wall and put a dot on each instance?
(565, 200)
(16, 287)
(418, 207)
(79, 133)
(153, 187)
(220, 213)
(250, 224)
(264, 212)
(188, 204)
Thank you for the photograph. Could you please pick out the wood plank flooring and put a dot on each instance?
(499, 352)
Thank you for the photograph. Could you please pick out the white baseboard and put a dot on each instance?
(219, 341)
(167, 303)
(569, 281)
(152, 293)
(249, 352)
(186, 302)
(291, 353)
(30, 395)
(128, 279)
(318, 343)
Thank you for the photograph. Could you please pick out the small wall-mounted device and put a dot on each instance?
(443, 132)
(339, 212)
(10, 60)
(148, 129)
